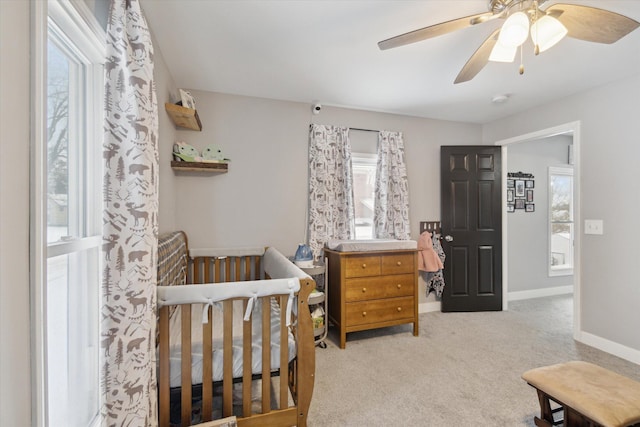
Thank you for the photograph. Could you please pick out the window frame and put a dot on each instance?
(560, 271)
(70, 22)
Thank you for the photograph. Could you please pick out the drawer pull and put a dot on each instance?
(364, 265)
(364, 313)
(364, 290)
(399, 285)
(399, 263)
(399, 308)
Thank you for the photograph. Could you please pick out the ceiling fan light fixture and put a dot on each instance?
(515, 30)
(547, 31)
(502, 53)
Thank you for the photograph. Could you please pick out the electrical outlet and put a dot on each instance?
(593, 226)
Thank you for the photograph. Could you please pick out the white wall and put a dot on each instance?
(528, 240)
(15, 390)
(262, 200)
(610, 149)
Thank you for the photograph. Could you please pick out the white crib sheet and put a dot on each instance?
(196, 346)
(370, 245)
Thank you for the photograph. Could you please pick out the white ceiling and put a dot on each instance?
(326, 51)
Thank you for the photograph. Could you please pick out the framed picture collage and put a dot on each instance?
(520, 187)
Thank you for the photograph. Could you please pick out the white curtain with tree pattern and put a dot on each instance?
(130, 231)
(331, 208)
(391, 205)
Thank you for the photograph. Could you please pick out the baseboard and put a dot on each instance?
(428, 307)
(624, 352)
(539, 293)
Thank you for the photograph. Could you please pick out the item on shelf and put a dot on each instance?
(303, 257)
(187, 99)
(318, 317)
(213, 153)
(185, 152)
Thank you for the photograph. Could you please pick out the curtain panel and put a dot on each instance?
(391, 205)
(130, 230)
(331, 207)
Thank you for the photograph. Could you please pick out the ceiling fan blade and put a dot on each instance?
(592, 24)
(431, 31)
(478, 60)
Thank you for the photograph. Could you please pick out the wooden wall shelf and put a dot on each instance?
(200, 167)
(183, 117)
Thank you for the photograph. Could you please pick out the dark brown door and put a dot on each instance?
(471, 227)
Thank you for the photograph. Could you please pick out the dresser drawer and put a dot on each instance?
(362, 265)
(367, 288)
(366, 312)
(397, 264)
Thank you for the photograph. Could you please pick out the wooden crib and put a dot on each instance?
(213, 304)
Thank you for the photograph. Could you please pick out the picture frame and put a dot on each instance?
(510, 195)
(519, 188)
(519, 204)
(187, 99)
(529, 183)
(530, 207)
(511, 207)
(529, 196)
(511, 183)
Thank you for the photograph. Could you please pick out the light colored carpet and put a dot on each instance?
(463, 370)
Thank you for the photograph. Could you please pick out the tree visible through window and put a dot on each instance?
(364, 182)
(560, 221)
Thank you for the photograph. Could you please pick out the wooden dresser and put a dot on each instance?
(373, 289)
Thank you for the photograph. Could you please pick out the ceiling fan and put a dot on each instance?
(523, 17)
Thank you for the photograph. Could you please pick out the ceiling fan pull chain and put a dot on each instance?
(521, 62)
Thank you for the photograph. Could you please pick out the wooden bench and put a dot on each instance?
(588, 395)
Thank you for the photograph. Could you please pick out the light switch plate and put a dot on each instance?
(593, 226)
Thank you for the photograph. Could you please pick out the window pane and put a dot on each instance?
(364, 181)
(57, 143)
(561, 197)
(72, 344)
(562, 246)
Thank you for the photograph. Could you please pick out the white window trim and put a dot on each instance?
(555, 271)
(92, 40)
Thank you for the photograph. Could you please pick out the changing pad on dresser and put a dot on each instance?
(370, 245)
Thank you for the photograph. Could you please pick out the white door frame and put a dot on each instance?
(567, 128)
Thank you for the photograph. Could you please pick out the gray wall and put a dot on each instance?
(609, 152)
(528, 240)
(262, 200)
(15, 390)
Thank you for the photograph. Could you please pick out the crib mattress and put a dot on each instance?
(175, 356)
(370, 245)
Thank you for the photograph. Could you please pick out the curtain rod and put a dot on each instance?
(365, 130)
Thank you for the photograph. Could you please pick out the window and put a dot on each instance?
(561, 227)
(68, 209)
(364, 182)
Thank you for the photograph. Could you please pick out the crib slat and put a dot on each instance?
(207, 368)
(247, 268)
(163, 378)
(207, 270)
(284, 354)
(266, 354)
(227, 361)
(217, 271)
(197, 262)
(185, 311)
(246, 364)
(238, 276)
(227, 269)
(256, 275)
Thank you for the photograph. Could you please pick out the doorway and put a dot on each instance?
(572, 129)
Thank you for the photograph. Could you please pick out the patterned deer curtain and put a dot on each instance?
(391, 205)
(130, 231)
(331, 208)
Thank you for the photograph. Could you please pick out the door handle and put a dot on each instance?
(448, 238)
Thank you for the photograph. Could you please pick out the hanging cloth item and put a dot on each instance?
(435, 279)
(428, 259)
